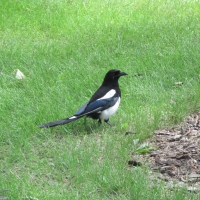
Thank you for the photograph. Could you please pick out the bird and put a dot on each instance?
(102, 105)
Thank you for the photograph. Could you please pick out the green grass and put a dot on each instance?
(64, 48)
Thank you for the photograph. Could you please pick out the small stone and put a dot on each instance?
(194, 175)
(175, 138)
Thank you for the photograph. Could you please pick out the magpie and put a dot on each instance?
(102, 105)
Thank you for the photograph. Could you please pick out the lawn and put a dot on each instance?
(64, 49)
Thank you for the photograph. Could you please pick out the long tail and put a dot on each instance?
(60, 122)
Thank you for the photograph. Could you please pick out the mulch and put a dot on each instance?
(176, 159)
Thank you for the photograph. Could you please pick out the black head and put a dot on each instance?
(113, 75)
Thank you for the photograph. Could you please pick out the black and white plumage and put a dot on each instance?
(102, 105)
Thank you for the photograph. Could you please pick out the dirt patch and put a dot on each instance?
(177, 154)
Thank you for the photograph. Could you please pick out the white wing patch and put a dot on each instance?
(109, 94)
(110, 111)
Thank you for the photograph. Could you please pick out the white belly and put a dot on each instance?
(105, 115)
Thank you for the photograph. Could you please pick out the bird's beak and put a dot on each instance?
(122, 74)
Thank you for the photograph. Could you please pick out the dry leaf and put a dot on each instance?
(19, 75)
(178, 83)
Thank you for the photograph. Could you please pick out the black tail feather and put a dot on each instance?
(59, 122)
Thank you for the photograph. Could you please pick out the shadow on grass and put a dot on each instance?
(84, 126)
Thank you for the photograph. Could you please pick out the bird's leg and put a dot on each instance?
(107, 121)
(85, 120)
(99, 121)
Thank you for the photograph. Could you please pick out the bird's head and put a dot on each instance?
(112, 77)
(114, 74)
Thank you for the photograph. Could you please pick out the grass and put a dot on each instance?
(64, 48)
